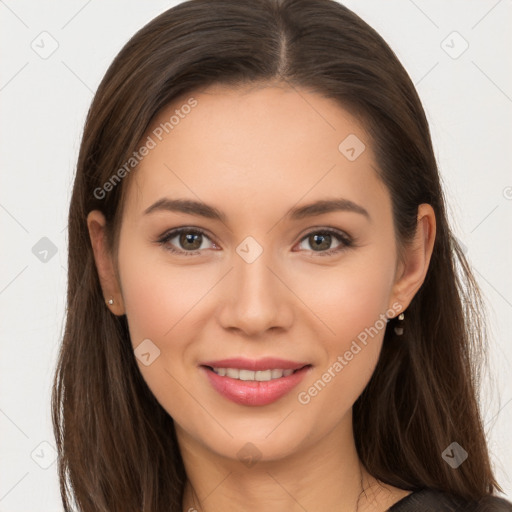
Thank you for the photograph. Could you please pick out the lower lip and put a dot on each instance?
(245, 392)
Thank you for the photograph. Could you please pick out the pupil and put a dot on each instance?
(187, 239)
(321, 238)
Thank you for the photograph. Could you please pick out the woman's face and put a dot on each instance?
(259, 282)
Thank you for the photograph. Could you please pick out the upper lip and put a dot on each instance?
(266, 363)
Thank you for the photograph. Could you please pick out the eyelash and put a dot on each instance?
(346, 241)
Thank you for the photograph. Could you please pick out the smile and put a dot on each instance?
(254, 387)
(260, 376)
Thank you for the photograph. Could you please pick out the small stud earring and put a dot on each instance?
(110, 302)
(399, 330)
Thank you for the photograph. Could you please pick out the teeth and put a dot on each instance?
(260, 376)
(245, 375)
(231, 372)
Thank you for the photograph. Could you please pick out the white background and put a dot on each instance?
(43, 104)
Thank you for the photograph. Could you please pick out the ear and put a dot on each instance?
(104, 262)
(413, 268)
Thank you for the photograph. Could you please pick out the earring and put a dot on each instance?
(399, 330)
(109, 302)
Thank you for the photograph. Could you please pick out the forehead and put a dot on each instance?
(256, 144)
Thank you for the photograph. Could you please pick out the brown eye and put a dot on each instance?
(190, 240)
(320, 242)
(185, 241)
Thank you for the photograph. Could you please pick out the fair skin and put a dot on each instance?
(291, 302)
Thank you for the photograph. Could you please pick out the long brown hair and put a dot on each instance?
(117, 446)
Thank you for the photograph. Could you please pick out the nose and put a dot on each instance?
(255, 298)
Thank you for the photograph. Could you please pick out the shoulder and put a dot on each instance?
(431, 500)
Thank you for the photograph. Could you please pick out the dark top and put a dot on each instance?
(429, 500)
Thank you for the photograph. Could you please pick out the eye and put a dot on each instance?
(189, 241)
(322, 239)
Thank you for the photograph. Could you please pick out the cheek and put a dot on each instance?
(163, 304)
(351, 300)
(330, 393)
(160, 299)
(348, 298)
(355, 315)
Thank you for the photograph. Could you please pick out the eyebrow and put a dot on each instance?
(193, 207)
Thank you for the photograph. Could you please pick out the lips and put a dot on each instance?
(254, 392)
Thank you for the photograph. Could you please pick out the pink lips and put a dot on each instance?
(253, 392)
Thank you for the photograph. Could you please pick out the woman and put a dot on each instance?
(265, 302)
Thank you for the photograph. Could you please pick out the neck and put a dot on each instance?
(327, 475)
